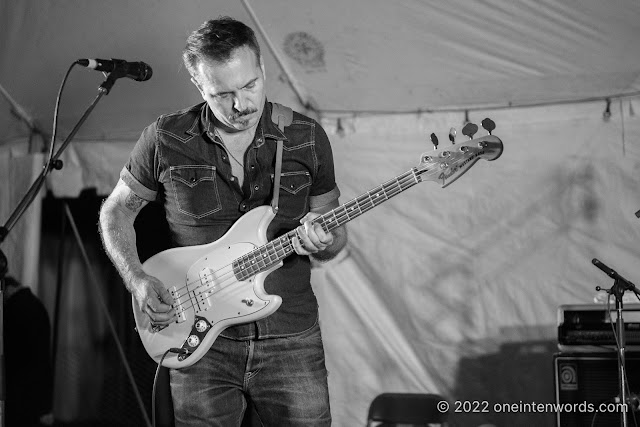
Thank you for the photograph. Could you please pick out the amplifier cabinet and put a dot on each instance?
(586, 380)
(594, 324)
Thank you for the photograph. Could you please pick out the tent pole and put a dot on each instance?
(21, 114)
(59, 278)
(297, 89)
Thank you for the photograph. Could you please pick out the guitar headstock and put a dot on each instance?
(446, 164)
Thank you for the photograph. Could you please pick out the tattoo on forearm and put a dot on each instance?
(133, 202)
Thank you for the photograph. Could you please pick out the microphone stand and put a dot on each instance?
(620, 285)
(29, 197)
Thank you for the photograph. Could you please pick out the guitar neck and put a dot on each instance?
(367, 201)
(270, 254)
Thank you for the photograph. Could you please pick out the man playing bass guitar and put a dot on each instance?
(208, 166)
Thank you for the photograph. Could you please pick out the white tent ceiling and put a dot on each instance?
(341, 56)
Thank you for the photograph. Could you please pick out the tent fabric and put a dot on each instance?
(18, 171)
(457, 290)
(359, 56)
(452, 291)
(40, 41)
(94, 166)
(412, 55)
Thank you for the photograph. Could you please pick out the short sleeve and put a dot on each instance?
(140, 173)
(324, 180)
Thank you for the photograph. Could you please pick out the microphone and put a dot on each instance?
(612, 273)
(138, 71)
(609, 272)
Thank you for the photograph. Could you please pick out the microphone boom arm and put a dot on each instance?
(627, 285)
(40, 180)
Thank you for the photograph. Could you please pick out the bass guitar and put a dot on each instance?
(221, 283)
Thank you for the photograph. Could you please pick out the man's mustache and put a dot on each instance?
(242, 113)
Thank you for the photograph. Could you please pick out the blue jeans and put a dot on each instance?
(285, 378)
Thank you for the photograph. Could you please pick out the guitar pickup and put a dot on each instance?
(205, 290)
(178, 304)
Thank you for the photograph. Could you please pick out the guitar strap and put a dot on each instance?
(283, 116)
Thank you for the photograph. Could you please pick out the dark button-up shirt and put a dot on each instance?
(180, 162)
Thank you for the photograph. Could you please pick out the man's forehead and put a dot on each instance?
(240, 67)
(242, 55)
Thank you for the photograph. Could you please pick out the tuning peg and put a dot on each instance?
(434, 140)
(469, 130)
(452, 135)
(489, 125)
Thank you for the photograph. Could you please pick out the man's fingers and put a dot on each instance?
(317, 236)
(157, 305)
(160, 318)
(323, 238)
(311, 238)
(299, 247)
(159, 313)
(165, 296)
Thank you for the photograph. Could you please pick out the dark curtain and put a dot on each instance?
(92, 386)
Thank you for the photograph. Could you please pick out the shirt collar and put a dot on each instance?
(266, 128)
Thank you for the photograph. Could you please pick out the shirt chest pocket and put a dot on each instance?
(294, 192)
(195, 190)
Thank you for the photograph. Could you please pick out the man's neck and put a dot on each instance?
(236, 144)
(234, 136)
(237, 141)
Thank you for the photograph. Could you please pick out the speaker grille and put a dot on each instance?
(592, 379)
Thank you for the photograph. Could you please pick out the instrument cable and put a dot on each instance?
(155, 380)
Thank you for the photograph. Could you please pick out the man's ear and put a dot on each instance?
(264, 73)
(195, 82)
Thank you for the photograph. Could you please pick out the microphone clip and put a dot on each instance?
(105, 86)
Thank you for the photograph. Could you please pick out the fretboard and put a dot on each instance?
(268, 255)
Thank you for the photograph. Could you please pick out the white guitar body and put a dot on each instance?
(208, 296)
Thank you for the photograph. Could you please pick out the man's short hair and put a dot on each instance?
(216, 40)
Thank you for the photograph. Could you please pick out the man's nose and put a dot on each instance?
(239, 103)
